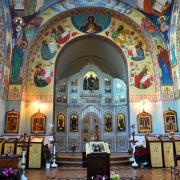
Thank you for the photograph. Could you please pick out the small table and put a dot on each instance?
(9, 161)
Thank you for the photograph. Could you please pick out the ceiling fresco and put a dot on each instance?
(155, 37)
(159, 11)
(125, 33)
(152, 16)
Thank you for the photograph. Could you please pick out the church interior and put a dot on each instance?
(90, 89)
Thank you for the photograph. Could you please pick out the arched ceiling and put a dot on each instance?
(131, 16)
(94, 50)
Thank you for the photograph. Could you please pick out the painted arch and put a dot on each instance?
(136, 20)
(132, 36)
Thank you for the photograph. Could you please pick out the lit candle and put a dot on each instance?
(23, 157)
(133, 137)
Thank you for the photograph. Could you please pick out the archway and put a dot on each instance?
(105, 59)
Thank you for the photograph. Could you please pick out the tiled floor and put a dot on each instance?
(125, 172)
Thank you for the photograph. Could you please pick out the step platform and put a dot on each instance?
(76, 159)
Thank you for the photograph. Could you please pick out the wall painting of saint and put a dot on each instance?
(60, 122)
(108, 122)
(91, 23)
(12, 122)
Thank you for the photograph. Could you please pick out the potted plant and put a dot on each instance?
(47, 156)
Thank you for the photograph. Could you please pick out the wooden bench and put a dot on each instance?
(9, 161)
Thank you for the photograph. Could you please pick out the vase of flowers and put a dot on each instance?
(10, 174)
(133, 143)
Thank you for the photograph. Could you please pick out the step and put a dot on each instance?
(79, 164)
(119, 163)
(69, 159)
(69, 164)
(76, 160)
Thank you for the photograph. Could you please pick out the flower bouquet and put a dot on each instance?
(114, 176)
(10, 174)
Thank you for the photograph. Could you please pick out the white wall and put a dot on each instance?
(156, 109)
(31, 108)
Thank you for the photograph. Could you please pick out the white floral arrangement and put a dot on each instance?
(114, 176)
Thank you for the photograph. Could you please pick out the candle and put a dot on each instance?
(23, 157)
(133, 137)
(54, 152)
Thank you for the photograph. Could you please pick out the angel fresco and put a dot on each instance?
(163, 26)
(159, 12)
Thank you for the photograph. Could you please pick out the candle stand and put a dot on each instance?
(52, 141)
(133, 143)
(24, 147)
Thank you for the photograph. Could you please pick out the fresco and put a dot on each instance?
(8, 46)
(17, 63)
(165, 65)
(19, 21)
(30, 7)
(2, 38)
(66, 5)
(159, 12)
(14, 93)
(47, 50)
(41, 74)
(5, 46)
(119, 35)
(91, 23)
(137, 52)
(167, 92)
(176, 82)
